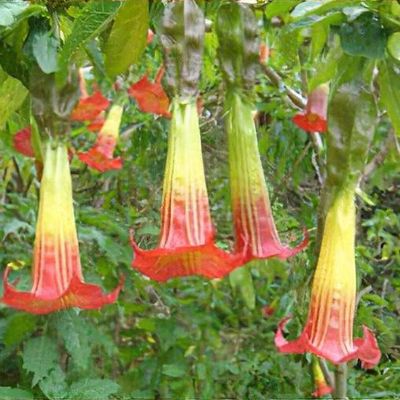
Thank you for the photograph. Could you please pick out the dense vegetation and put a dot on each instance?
(192, 337)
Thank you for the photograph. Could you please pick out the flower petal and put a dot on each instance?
(368, 350)
(22, 142)
(90, 107)
(96, 159)
(311, 122)
(78, 294)
(150, 97)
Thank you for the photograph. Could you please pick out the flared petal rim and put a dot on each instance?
(322, 390)
(79, 294)
(150, 97)
(97, 160)
(162, 264)
(365, 349)
(311, 122)
(90, 107)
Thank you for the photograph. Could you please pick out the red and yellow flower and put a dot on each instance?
(328, 332)
(186, 244)
(320, 384)
(57, 276)
(314, 119)
(150, 96)
(100, 156)
(255, 230)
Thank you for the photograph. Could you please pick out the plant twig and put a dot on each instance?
(340, 387)
(329, 377)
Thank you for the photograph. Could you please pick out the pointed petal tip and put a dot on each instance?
(98, 161)
(310, 123)
(368, 351)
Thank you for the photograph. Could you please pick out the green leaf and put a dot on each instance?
(76, 337)
(127, 39)
(44, 49)
(279, 7)
(89, 389)
(389, 83)
(364, 37)
(394, 45)
(242, 282)
(54, 386)
(40, 357)
(17, 327)
(12, 95)
(7, 393)
(174, 370)
(93, 19)
(9, 11)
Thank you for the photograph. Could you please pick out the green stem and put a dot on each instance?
(340, 391)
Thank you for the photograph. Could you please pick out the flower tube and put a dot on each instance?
(57, 277)
(100, 156)
(328, 332)
(186, 245)
(315, 117)
(254, 225)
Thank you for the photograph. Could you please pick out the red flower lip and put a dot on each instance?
(78, 294)
(365, 348)
(315, 117)
(90, 107)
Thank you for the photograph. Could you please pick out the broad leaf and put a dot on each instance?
(40, 357)
(12, 95)
(44, 48)
(241, 281)
(93, 19)
(364, 37)
(89, 389)
(127, 40)
(9, 11)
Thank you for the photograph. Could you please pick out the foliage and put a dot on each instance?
(193, 338)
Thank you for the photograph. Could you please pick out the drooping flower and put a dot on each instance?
(314, 119)
(57, 277)
(321, 386)
(254, 226)
(328, 332)
(150, 36)
(151, 97)
(100, 156)
(88, 108)
(186, 245)
(264, 53)
(22, 142)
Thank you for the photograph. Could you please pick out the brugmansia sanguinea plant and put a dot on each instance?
(328, 331)
(186, 245)
(57, 276)
(100, 156)
(255, 230)
(314, 119)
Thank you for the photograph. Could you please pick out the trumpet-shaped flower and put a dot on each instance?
(328, 332)
(186, 244)
(150, 96)
(320, 384)
(57, 276)
(255, 229)
(315, 117)
(100, 156)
